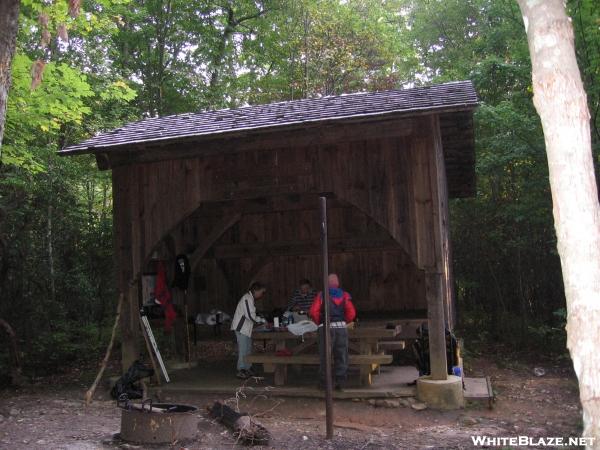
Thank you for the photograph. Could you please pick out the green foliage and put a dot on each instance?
(34, 118)
(56, 350)
(66, 208)
(56, 259)
(58, 101)
(189, 55)
(340, 47)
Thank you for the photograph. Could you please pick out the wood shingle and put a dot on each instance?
(448, 97)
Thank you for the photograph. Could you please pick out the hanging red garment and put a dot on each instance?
(163, 296)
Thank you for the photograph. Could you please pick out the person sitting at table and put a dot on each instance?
(243, 322)
(341, 313)
(302, 297)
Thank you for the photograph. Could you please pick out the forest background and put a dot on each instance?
(122, 60)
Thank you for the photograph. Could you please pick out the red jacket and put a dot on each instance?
(349, 311)
(162, 294)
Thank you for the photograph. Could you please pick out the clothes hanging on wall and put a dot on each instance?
(163, 296)
(182, 272)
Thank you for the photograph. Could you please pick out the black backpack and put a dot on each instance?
(127, 383)
(421, 350)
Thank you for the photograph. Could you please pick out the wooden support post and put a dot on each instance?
(365, 348)
(130, 346)
(123, 238)
(437, 283)
(443, 251)
(280, 370)
(437, 335)
(431, 229)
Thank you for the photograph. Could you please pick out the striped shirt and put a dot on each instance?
(302, 301)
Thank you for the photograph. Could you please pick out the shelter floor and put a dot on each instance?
(218, 377)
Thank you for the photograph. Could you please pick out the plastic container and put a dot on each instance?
(456, 370)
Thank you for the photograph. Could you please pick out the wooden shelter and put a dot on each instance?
(237, 191)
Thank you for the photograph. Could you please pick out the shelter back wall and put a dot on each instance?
(378, 273)
(392, 178)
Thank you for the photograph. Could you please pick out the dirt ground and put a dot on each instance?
(51, 415)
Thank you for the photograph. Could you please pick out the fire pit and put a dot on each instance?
(157, 423)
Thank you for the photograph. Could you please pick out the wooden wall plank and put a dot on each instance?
(209, 240)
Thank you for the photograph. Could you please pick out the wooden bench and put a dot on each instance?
(391, 345)
(278, 364)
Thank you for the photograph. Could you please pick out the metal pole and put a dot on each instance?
(326, 325)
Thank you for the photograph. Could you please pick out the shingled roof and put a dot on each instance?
(455, 96)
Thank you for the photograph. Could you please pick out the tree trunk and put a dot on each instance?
(9, 17)
(162, 29)
(15, 366)
(561, 102)
(90, 392)
(50, 254)
(220, 54)
(49, 234)
(306, 24)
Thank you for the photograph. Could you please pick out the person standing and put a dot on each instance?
(302, 297)
(341, 312)
(243, 322)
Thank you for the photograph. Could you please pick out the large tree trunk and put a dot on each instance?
(15, 365)
(561, 102)
(50, 235)
(9, 16)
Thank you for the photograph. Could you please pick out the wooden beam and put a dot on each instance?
(313, 359)
(103, 161)
(261, 205)
(250, 275)
(292, 248)
(215, 234)
(231, 270)
(307, 135)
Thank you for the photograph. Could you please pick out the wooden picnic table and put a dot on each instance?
(367, 338)
(364, 343)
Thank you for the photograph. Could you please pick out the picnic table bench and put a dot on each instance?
(363, 341)
(278, 364)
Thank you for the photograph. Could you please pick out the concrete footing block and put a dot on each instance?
(441, 394)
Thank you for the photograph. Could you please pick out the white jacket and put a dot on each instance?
(245, 315)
